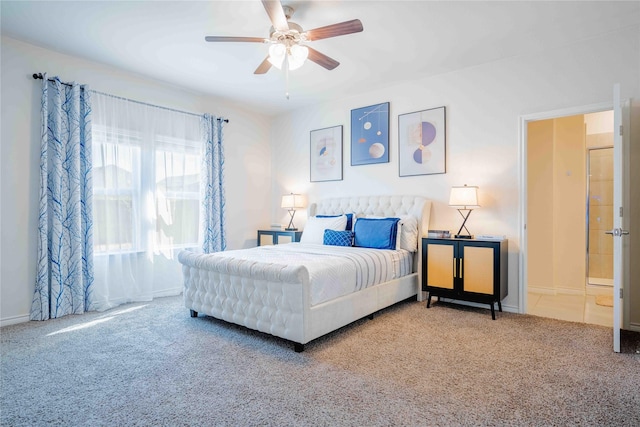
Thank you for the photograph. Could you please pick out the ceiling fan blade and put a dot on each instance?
(234, 39)
(347, 27)
(276, 14)
(322, 59)
(263, 67)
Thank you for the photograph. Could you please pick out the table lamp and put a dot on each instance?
(464, 198)
(292, 202)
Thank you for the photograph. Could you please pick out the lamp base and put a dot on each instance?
(462, 227)
(291, 229)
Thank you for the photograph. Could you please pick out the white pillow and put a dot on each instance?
(314, 229)
(409, 233)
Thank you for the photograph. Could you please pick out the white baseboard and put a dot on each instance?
(599, 290)
(543, 291)
(635, 327)
(173, 292)
(570, 291)
(14, 320)
(556, 291)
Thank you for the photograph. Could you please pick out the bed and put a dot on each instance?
(255, 289)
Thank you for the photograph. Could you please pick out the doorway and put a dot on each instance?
(569, 206)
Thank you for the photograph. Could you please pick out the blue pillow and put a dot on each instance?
(376, 233)
(349, 219)
(338, 238)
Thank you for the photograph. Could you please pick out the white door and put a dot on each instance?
(618, 231)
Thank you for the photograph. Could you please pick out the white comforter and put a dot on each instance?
(333, 270)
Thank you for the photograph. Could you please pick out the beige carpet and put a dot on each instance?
(150, 364)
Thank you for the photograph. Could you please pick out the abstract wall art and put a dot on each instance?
(370, 134)
(422, 142)
(326, 154)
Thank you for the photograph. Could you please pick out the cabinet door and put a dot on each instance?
(441, 265)
(285, 238)
(266, 238)
(477, 269)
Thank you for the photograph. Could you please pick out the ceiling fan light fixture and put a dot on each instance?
(295, 55)
(277, 52)
(299, 53)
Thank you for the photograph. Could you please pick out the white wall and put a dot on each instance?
(483, 108)
(247, 173)
(483, 104)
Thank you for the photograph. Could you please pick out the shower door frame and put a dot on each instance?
(588, 214)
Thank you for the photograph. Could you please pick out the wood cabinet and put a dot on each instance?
(274, 237)
(466, 270)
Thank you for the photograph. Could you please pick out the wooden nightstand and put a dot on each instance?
(274, 237)
(466, 270)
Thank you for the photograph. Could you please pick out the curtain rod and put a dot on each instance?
(39, 76)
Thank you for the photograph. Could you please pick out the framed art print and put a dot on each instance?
(370, 134)
(422, 142)
(326, 154)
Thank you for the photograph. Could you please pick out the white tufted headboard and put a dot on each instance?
(416, 206)
(393, 206)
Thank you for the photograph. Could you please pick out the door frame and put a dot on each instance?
(522, 154)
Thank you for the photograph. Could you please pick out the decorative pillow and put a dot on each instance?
(349, 219)
(376, 233)
(399, 228)
(408, 226)
(407, 237)
(338, 238)
(314, 229)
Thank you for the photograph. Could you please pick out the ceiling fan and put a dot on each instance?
(287, 40)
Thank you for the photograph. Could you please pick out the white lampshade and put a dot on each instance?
(465, 197)
(293, 201)
(296, 55)
(277, 52)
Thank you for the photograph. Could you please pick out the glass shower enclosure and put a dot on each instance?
(599, 216)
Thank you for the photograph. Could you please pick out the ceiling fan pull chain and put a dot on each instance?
(286, 75)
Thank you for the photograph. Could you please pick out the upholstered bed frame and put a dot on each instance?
(279, 304)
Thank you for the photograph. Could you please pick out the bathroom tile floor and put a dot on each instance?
(574, 308)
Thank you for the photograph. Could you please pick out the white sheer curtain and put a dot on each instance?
(146, 173)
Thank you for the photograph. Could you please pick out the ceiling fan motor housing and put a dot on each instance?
(294, 35)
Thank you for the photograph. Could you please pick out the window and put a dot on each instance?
(147, 202)
(116, 174)
(132, 211)
(177, 195)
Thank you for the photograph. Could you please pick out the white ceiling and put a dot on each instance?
(402, 40)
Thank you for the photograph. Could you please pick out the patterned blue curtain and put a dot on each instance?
(212, 190)
(65, 246)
